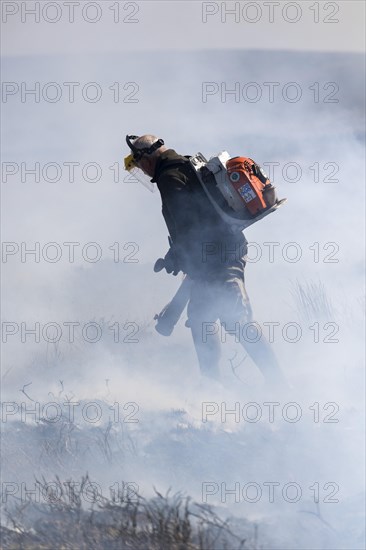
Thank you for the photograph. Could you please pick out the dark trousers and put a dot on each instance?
(223, 297)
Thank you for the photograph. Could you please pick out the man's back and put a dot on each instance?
(204, 242)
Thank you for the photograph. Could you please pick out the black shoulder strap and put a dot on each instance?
(186, 167)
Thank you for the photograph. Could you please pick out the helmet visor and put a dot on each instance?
(137, 174)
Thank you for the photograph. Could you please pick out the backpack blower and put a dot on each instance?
(237, 187)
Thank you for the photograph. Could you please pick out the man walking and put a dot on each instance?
(204, 247)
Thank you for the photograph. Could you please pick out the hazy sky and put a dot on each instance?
(148, 25)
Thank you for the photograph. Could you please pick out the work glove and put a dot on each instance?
(170, 262)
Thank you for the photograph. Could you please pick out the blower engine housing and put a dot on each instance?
(237, 187)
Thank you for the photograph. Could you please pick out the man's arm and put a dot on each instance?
(179, 209)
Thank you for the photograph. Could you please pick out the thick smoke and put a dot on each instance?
(304, 278)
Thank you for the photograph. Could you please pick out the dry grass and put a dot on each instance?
(312, 301)
(128, 523)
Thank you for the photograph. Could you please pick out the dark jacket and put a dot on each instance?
(203, 242)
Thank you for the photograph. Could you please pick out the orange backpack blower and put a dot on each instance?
(237, 187)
